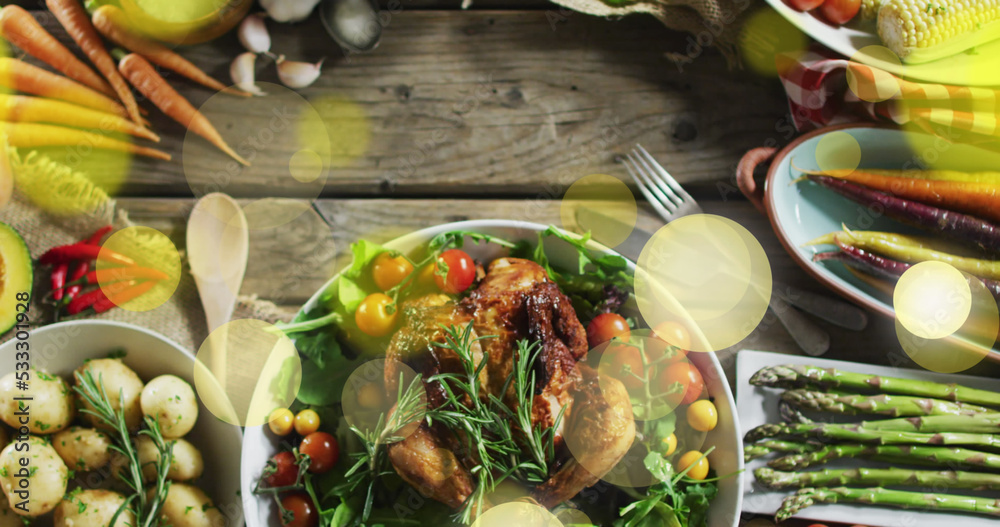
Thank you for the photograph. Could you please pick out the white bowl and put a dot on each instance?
(61, 348)
(259, 446)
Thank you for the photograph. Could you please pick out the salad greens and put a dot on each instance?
(364, 490)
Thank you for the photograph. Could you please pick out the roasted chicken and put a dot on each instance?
(515, 301)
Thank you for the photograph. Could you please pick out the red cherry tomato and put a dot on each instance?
(689, 377)
(605, 327)
(302, 509)
(840, 11)
(285, 470)
(461, 271)
(625, 364)
(322, 450)
(804, 5)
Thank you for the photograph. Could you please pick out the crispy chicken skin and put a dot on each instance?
(515, 301)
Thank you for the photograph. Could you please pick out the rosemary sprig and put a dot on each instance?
(147, 507)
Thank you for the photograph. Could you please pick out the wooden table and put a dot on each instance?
(486, 114)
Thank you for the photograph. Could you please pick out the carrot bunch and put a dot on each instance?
(72, 272)
(81, 105)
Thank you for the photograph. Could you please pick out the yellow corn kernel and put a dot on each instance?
(925, 30)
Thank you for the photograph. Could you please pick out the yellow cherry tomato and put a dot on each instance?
(280, 421)
(388, 272)
(306, 422)
(700, 469)
(370, 397)
(670, 444)
(702, 415)
(373, 317)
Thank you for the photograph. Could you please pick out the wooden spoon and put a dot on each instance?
(217, 247)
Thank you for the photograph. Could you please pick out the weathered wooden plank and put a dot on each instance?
(280, 267)
(475, 103)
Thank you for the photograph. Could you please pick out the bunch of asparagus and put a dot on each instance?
(951, 433)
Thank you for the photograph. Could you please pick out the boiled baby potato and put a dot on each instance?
(186, 464)
(122, 386)
(189, 506)
(83, 448)
(50, 410)
(46, 474)
(92, 508)
(171, 401)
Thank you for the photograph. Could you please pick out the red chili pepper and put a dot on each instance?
(79, 272)
(84, 301)
(120, 274)
(95, 239)
(133, 291)
(82, 251)
(58, 279)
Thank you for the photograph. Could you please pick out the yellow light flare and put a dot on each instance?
(149, 248)
(873, 84)
(369, 401)
(766, 35)
(247, 349)
(590, 200)
(519, 513)
(838, 153)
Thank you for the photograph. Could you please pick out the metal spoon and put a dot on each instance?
(353, 24)
(218, 242)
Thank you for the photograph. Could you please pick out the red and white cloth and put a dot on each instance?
(823, 89)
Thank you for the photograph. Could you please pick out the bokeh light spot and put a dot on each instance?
(247, 349)
(369, 399)
(343, 121)
(932, 300)
(769, 43)
(838, 152)
(519, 513)
(305, 165)
(149, 249)
(591, 201)
(708, 273)
(873, 84)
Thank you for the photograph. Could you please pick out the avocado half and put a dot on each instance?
(16, 274)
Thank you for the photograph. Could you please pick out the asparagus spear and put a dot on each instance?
(912, 454)
(882, 404)
(796, 376)
(979, 423)
(860, 434)
(879, 476)
(879, 496)
(756, 450)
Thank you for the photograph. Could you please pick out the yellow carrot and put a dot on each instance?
(24, 77)
(34, 135)
(22, 108)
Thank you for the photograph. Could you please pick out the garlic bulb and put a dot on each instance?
(253, 34)
(298, 74)
(242, 70)
(289, 10)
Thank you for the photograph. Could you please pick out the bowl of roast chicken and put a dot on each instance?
(494, 373)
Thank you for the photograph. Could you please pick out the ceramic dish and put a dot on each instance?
(259, 445)
(759, 405)
(801, 212)
(61, 348)
(981, 69)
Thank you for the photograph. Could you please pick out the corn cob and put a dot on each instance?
(869, 9)
(927, 30)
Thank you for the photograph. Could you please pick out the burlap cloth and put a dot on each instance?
(181, 318)
(712, 23)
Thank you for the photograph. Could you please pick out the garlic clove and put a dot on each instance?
(289, 10)
(243, 72)
(253, 34)
(296, 74)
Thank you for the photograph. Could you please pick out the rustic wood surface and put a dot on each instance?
(498, 103)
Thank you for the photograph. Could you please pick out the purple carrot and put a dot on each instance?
(882, 267)
(953, 225)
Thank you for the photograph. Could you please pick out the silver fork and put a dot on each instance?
(662, 191)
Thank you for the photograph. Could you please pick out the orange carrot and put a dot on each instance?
(34, 135)
(978, 199)
(22, 108)
(24, 77)
(22, 30)
(74, 19)
(113, 24)
(141, 74)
